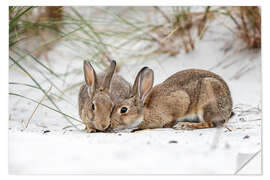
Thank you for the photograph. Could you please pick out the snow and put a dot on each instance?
(151, 151)
(50, 145)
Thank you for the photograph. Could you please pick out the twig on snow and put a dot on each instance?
(26, 126)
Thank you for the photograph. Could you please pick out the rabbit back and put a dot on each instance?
(187, 94)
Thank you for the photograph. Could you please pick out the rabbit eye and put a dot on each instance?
(123, 110)
(93, 107)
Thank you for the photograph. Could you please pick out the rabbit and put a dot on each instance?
(189, 99)
(98, 96)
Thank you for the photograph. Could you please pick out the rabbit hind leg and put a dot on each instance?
(207, 111)
(205, 120)
(196, 122)
(210, 97)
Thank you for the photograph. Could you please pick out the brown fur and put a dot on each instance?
(103, 94)
(187, 93)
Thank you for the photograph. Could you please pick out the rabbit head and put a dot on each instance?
(129, 113)
(100, 105)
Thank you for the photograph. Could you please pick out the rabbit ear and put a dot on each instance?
(145, 83)
(135, 88)
(109, 75)
(90, 77)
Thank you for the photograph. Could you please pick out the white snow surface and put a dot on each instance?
(65, 150)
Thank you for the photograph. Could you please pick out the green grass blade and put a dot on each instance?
(35, 87)
(44, 92)
(51, 71)
(47, 79)
(16, 18)
(64, 114)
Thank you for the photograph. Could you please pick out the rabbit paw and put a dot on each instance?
(183, 126)
(90, 130)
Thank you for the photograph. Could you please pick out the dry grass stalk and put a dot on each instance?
(248, 23)
(178, 31)
(26, 126)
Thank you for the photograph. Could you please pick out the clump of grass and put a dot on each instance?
(15, 26)
(164, 30)
(26, 26)
(180, 30)
(247, 20)
(34, 26)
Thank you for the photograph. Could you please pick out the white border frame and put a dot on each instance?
(4, 74)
